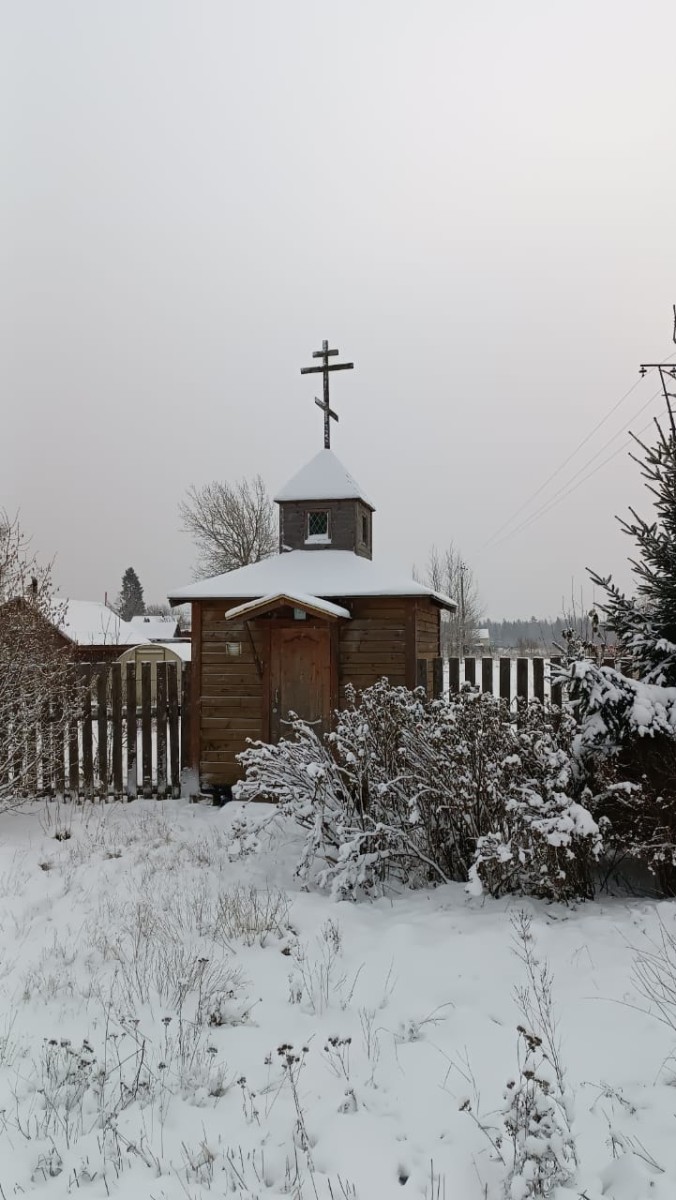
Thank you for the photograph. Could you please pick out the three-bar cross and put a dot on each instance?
(329, 414)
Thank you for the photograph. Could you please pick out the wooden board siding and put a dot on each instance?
(230, 690)
(427, 636)
(374, 642)
(386, 636)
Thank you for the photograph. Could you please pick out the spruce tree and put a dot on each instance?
(645, 624)
(130, 600)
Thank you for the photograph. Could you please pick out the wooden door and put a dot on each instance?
(300, 676)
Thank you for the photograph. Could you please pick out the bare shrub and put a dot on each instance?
(248, 915)
(539, 1108)
(317, 981)
(181, 973)
(654, 973)
(38, 690)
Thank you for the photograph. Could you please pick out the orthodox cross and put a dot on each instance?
(329, 414)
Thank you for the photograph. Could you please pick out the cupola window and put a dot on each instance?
(318, 526)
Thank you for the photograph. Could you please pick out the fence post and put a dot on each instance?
(17, 757)
(454, 675)
(487, 675)
(521, 687)
(102, 728)
(187, 716)
(539, 679)
(87, 736)
(470, 671)
(174, 750)
(73, 758)
(47, 746)
(59, 747)
(556, 689)
(146, 730)
(437, 678)
(421, 674)
(132, 733)
(32, 754)
(116, 720)
(506, 680)
(161, 726)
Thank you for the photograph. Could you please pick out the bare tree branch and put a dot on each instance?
(448, 573)
(232, 525)
(38, 692)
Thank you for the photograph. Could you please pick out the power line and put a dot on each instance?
(554, 502)
(594, 457)
(565, 462)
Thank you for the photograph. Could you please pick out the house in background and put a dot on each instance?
(157, 629)
(96, 632)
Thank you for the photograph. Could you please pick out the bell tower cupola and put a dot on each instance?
(323, 507)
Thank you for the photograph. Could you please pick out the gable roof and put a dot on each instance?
(89, 623)
(309, 604)
(312, 573)
(323, 478)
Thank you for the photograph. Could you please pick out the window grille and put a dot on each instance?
(318, 524)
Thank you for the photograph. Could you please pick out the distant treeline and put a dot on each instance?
(536, 633)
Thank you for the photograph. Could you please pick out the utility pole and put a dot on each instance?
(463, 568)
(667, 372)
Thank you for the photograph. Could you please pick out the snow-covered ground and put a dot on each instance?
(157, 1041)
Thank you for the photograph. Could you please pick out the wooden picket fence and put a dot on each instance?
(519, 679)
(129, 736)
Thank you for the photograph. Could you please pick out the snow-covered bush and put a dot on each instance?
(542, 841)
(428, 792)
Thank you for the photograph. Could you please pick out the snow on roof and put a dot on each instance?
(89, 623)
(157, 629)
(296, 599)
(323, 478)
(321, 573)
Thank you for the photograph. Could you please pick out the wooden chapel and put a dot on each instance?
(288, 633)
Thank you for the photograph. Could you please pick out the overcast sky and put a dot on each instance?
(473, 200)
